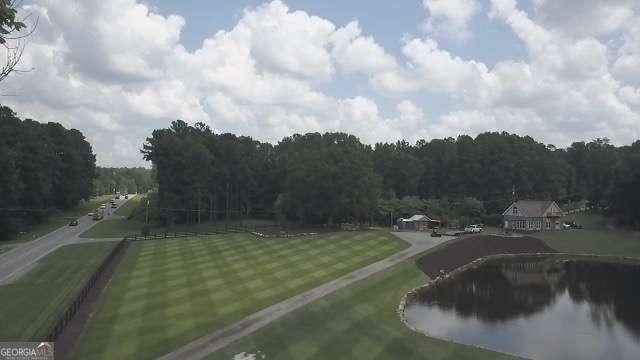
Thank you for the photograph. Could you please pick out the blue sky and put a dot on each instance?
(559, 71)
(386, 21)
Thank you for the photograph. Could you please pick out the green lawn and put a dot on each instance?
(360, 321)
(30, 306)
(166, 293)
(597, 237)
(61, 219)
(5, 248)
(127, 208)
(113, 228)
(357, 322)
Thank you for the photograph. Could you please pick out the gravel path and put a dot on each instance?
(216, 340)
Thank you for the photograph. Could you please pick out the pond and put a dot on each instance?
(536, 308)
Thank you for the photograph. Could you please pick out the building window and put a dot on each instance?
(515, 209)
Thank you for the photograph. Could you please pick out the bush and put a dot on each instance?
(493, 220)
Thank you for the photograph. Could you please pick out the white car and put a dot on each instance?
(103, 206)
(473, 229)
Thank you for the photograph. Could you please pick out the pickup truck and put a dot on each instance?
(473, 229)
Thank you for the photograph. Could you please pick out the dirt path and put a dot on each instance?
(216, 340)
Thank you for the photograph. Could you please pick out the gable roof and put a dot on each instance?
(417, 217)
(531, 208)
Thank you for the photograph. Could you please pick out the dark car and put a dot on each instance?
(74, 223)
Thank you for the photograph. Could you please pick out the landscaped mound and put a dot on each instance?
(470, 248)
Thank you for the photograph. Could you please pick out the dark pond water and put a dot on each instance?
(541, 309)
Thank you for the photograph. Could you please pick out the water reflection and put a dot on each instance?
(543, 309)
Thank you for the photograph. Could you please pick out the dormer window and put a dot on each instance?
(515, 209)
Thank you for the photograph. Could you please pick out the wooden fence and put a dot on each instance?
(72, 309)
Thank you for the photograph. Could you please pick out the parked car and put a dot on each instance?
(435, 233)
(74, 222)
(90, 214)
(103, 206)
(113, 206)
(126, 196)
(571, 225)
(473, 229)
(97, 215)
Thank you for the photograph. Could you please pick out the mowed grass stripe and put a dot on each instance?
(356, 322)
(169, 292)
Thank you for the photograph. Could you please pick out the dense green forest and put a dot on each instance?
(43, 167)
(124, 180)
(333, 177)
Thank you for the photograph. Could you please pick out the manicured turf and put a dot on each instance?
(597, 237)
(30, 306)
(357, 322)
(168, 292)
(61, 219)
(360, 321)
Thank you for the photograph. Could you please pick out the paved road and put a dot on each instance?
(208, 344)
(21, 258)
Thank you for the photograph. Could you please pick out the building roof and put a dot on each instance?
(418, 217)
(531, 208)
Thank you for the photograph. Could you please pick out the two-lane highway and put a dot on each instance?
(23, 257)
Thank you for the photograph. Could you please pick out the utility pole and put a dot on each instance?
(226, 216)
(210, 207)
(146, 219)
(198, 206)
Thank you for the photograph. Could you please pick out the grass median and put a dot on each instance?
(60, 219)
(30, 306)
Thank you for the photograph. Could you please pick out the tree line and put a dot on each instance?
(124, 180)
(43, 168)
(333, 177)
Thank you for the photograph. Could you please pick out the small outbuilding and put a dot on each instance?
(533, 215)
(418, 222)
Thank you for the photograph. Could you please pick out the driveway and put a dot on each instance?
(216, 340)
(22, 257)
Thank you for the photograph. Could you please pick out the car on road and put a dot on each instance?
(473, 229)
(74, 222)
